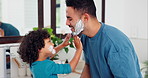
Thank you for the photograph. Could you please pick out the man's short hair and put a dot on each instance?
(84, 6)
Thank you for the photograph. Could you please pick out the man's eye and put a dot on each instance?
(70, 19)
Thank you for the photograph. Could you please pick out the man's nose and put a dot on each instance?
(67, 22)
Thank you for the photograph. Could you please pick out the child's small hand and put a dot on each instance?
(66, 40)
(77, 43)
(73, 63)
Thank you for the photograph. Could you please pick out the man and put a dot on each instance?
(108, 52)
(9, 30)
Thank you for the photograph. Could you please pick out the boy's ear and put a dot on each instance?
(39, 50)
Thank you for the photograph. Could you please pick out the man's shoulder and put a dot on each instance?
(110, 29)
(115, 36)
(113, 33)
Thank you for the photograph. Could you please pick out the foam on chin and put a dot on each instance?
(73, 33)
(52, 50)
(79, 27)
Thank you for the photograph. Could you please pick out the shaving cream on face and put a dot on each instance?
(52, 50)
(79, 27)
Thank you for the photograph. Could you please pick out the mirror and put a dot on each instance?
(23, 15)
(18, 16)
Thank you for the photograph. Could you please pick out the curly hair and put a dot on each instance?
(83, 6)
(31, 43)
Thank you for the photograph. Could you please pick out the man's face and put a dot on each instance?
(72, 18)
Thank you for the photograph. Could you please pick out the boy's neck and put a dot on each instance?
(42, 57)
(0, 23)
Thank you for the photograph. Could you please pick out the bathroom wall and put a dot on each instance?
(141, 48)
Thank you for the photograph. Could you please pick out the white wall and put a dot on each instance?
(130, 16)
(141, 48)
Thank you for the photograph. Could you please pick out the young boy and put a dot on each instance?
(36, 47)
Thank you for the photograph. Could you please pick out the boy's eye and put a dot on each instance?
(49, 41)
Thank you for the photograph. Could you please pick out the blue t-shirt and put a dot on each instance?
(49, 69)
(9, 30)
(110, 54)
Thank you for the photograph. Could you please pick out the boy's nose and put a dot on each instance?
(52, 44)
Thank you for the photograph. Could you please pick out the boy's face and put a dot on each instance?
(45, 49)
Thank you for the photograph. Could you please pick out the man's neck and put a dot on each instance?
(93, 29)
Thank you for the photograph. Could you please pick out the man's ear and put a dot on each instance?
(86, 17)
